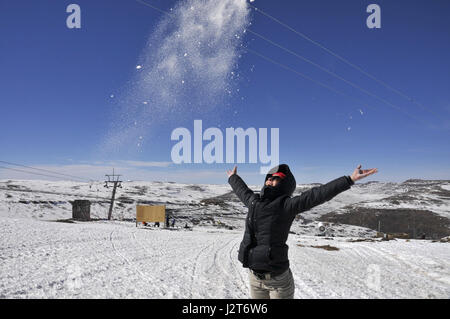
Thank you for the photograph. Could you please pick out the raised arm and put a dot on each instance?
(245, 194)
(319, 195)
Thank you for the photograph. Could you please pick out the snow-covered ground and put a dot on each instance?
(44, 259)
(42, 255)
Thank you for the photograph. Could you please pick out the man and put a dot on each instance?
(270, 215)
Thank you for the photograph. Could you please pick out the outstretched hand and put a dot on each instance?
(359, 173)
(234, 171)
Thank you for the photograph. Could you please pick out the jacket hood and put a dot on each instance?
(285, 187)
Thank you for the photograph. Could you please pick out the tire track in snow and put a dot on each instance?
(195, 271)
(237, 270)
(305, 285)
(215, 264)
(176, 270)
(301, 287)
(417, 270)
(87, 245)
(151, 285)
(115, 266)
(57, 264)
(224, 267)
(399, 276)
(152, 254)
(407, 270)
(49, 282)
(330, 281)
(395, 265)
(194, 275)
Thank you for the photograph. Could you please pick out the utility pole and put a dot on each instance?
(114, 179)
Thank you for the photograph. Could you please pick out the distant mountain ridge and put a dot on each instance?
(216, 205)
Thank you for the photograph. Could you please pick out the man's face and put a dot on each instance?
(272, 181)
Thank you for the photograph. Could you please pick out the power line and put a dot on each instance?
(305, 76)
(307, 60)
(40, 169)
(52, 193)
(329, 72)
(295, 71)
(151, 6)
(410, 99)
(22, 171)
(325, 85)
(268, 59)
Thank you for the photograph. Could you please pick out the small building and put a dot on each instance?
(81, 210)
(147, 214)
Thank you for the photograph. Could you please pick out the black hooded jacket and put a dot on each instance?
(270, 216)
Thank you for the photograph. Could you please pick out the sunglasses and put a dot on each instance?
(272, 178)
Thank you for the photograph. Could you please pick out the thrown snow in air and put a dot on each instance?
(188, 61)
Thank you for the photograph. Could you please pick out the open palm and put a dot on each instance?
(359, 173)
(234, 171)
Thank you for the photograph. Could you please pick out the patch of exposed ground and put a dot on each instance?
(414, 222)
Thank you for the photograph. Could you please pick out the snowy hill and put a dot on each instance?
(45, 255)
(216, 205)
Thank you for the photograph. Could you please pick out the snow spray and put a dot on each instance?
(184, 68)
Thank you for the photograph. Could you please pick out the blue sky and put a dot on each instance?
(56, 85)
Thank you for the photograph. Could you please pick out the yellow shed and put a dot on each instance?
(147, 213)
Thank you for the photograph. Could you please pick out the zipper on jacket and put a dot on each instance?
(253, 223)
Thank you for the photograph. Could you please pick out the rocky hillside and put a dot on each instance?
(417, 207)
